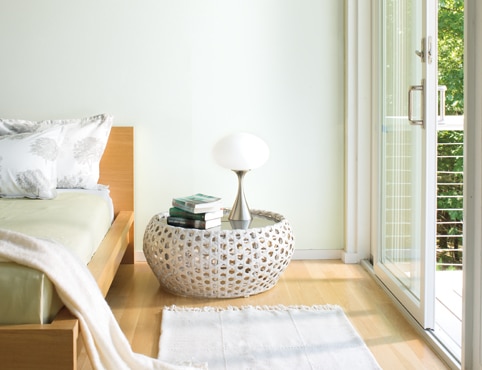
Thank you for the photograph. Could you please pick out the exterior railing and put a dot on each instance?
(450, 158)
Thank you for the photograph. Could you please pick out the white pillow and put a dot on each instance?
(81, 151)
(17, 126)
(28, 164)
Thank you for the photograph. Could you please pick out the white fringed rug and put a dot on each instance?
(274, 337)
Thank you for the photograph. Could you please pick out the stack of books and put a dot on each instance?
(198, 211)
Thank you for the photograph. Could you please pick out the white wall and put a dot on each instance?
(185, 73)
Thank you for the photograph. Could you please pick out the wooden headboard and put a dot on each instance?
(117, 168)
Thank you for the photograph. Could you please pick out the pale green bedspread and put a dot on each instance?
(78, 220)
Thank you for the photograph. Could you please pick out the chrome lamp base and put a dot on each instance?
(240, 210)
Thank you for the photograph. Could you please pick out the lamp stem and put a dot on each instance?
(240, 210)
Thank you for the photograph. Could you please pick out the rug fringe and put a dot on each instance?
(280, 307)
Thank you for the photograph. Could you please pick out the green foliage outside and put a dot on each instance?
(450, 143)
(450, 198)
(451, 53)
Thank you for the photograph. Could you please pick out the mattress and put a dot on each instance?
(78, 219)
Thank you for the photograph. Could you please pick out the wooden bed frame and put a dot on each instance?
(56, 345)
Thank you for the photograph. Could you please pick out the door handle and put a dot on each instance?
(414, 121)
(442, 89)
(425, 57)
(421, 53)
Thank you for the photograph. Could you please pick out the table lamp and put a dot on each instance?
(240, 152)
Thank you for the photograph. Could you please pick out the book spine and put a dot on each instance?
(183, 207)
(185, 222)
(196, 210)
(195, 224)
(178, 212)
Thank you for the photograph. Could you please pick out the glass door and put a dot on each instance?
(405, 260)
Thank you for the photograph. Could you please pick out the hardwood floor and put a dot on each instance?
(137, 300)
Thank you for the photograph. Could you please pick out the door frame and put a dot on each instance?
(472, 300)
(358, 130)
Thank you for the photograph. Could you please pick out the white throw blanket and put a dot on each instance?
(107, 346)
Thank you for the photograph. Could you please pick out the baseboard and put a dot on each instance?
(350, 257)
(299, 254)
(139, 256)
(317, 254)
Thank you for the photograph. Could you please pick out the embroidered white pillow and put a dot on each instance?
(81, 151)
(17, 126)
(28, 164)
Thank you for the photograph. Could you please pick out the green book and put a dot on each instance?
(198, 203)
(178, 212)
(194, 224)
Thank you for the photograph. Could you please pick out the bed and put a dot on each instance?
(56, 345)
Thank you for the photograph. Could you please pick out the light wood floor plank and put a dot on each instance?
(137, 300)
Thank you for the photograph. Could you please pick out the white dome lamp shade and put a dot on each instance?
(240, 152)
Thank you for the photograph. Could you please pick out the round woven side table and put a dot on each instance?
(221, 262)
